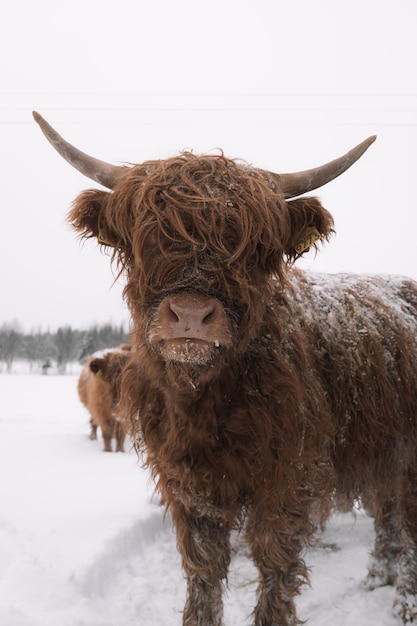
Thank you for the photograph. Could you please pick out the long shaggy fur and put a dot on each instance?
(311, 405)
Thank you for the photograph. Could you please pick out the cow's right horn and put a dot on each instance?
(100, 171)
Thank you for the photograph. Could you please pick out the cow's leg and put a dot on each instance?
(405, 604)
(205, 551)
(93, 431)
(120, 437)
(107, 437)
(383, 564)
(276, 541)
(107, 428)
(107, 424)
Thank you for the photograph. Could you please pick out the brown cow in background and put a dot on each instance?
(99, 392)
(261, 396)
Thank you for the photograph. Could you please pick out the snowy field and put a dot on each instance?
(84, 543)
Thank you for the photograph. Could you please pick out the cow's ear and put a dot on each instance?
(310, 224)
(87, 217)
(98, 366)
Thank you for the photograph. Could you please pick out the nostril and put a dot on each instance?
(208, 317)
(173, 315)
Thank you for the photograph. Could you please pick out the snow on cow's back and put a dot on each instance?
(355, 303)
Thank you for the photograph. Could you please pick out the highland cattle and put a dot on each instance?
(99, 391)
(262, 397)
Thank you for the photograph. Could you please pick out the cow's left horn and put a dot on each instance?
(100, 171)
(302, 182)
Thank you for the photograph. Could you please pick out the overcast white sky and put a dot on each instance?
(283, 85)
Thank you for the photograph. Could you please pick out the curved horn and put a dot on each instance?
(299, 183)
(103, 173)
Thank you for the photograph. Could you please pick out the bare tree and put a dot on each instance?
(10, 343)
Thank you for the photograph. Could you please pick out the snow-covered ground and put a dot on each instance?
(84, 543)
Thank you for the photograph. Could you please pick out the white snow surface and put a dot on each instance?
(83, 541)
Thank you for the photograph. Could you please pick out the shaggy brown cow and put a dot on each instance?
(260, 395)
(99, 391)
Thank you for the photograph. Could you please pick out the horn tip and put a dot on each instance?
(37, 116)
(367, 143)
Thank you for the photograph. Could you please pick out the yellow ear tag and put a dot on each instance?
(99, 374)
(103, 239)
(309, 236)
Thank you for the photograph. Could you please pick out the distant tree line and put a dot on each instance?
(43, 350)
